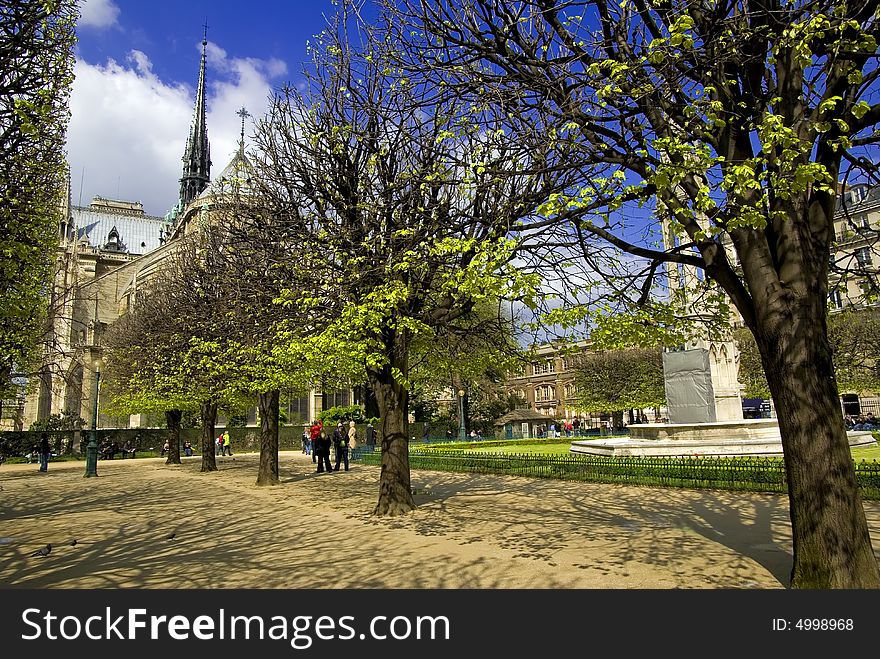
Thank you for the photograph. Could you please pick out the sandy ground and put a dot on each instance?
(469, 531)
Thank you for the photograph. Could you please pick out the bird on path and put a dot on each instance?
(43, 552)
(73, 543)
(171, 537)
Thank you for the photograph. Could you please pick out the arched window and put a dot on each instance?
(544, 392)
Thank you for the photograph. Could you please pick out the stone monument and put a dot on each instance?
(703, 420)
(703, 392)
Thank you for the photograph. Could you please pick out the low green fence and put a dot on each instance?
(73, 443)
(754, 474)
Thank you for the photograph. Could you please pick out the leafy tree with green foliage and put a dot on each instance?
(854, 334)
(473, 353)
(727, 124)
(854, 337)
(333, 415)
(202, 334)
(618, 380)
(166, 353)
(396, 221)
(58, 422)
(252, 270)
(36, 73)
(751, 369)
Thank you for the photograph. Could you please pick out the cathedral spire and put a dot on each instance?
(197, 155)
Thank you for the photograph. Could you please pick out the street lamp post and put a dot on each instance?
(462, 429)
(92, 447)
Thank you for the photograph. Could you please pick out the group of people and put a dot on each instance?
(109, 450)
(861, 422)
(224, 444)
(187, 448)
(576, 427)
(317, 442)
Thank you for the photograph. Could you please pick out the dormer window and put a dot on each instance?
(114, 241)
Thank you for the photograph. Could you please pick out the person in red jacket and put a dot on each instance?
(314, 434)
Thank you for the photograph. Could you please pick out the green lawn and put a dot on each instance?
(860, 453)
(542, 448)
(866, 453)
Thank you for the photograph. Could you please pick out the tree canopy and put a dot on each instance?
(619, 380)
(36, 73)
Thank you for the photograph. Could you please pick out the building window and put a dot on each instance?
(863, 256)
(539, 368)
(335, 399)
(545, 392)
(570, 391)
(836, 299)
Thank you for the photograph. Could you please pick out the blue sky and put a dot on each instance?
(136, 73)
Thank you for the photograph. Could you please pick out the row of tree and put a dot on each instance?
(463, 149)
(459, 154)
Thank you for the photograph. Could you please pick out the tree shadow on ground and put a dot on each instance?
(317, 531)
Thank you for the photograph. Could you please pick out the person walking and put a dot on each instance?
(322, 449)
(340, 446)
(352, 436)
(227, 443)
(45, 452)
(188, 448)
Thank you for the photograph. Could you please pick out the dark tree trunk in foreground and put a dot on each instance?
(172, 420)
(209, 420)
(395, 489)
(832, 547)
(752, 135)
(268, 405)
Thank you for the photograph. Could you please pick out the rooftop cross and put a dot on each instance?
(243, 113)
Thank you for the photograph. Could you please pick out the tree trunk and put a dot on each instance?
(831, 543)
(395, 489)
(209, 420)
(268, 404)
(371, 407)
(172, 420)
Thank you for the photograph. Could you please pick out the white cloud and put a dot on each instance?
(128, 128)
(98, 13)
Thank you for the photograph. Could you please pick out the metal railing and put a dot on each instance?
(752, 474)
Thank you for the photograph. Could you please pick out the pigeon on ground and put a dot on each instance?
(43, 552)
(73, 543)
(171, 537)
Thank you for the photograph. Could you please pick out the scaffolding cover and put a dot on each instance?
(688, 382)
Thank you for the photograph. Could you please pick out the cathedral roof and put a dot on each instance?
(138, 234)
(236, 175)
